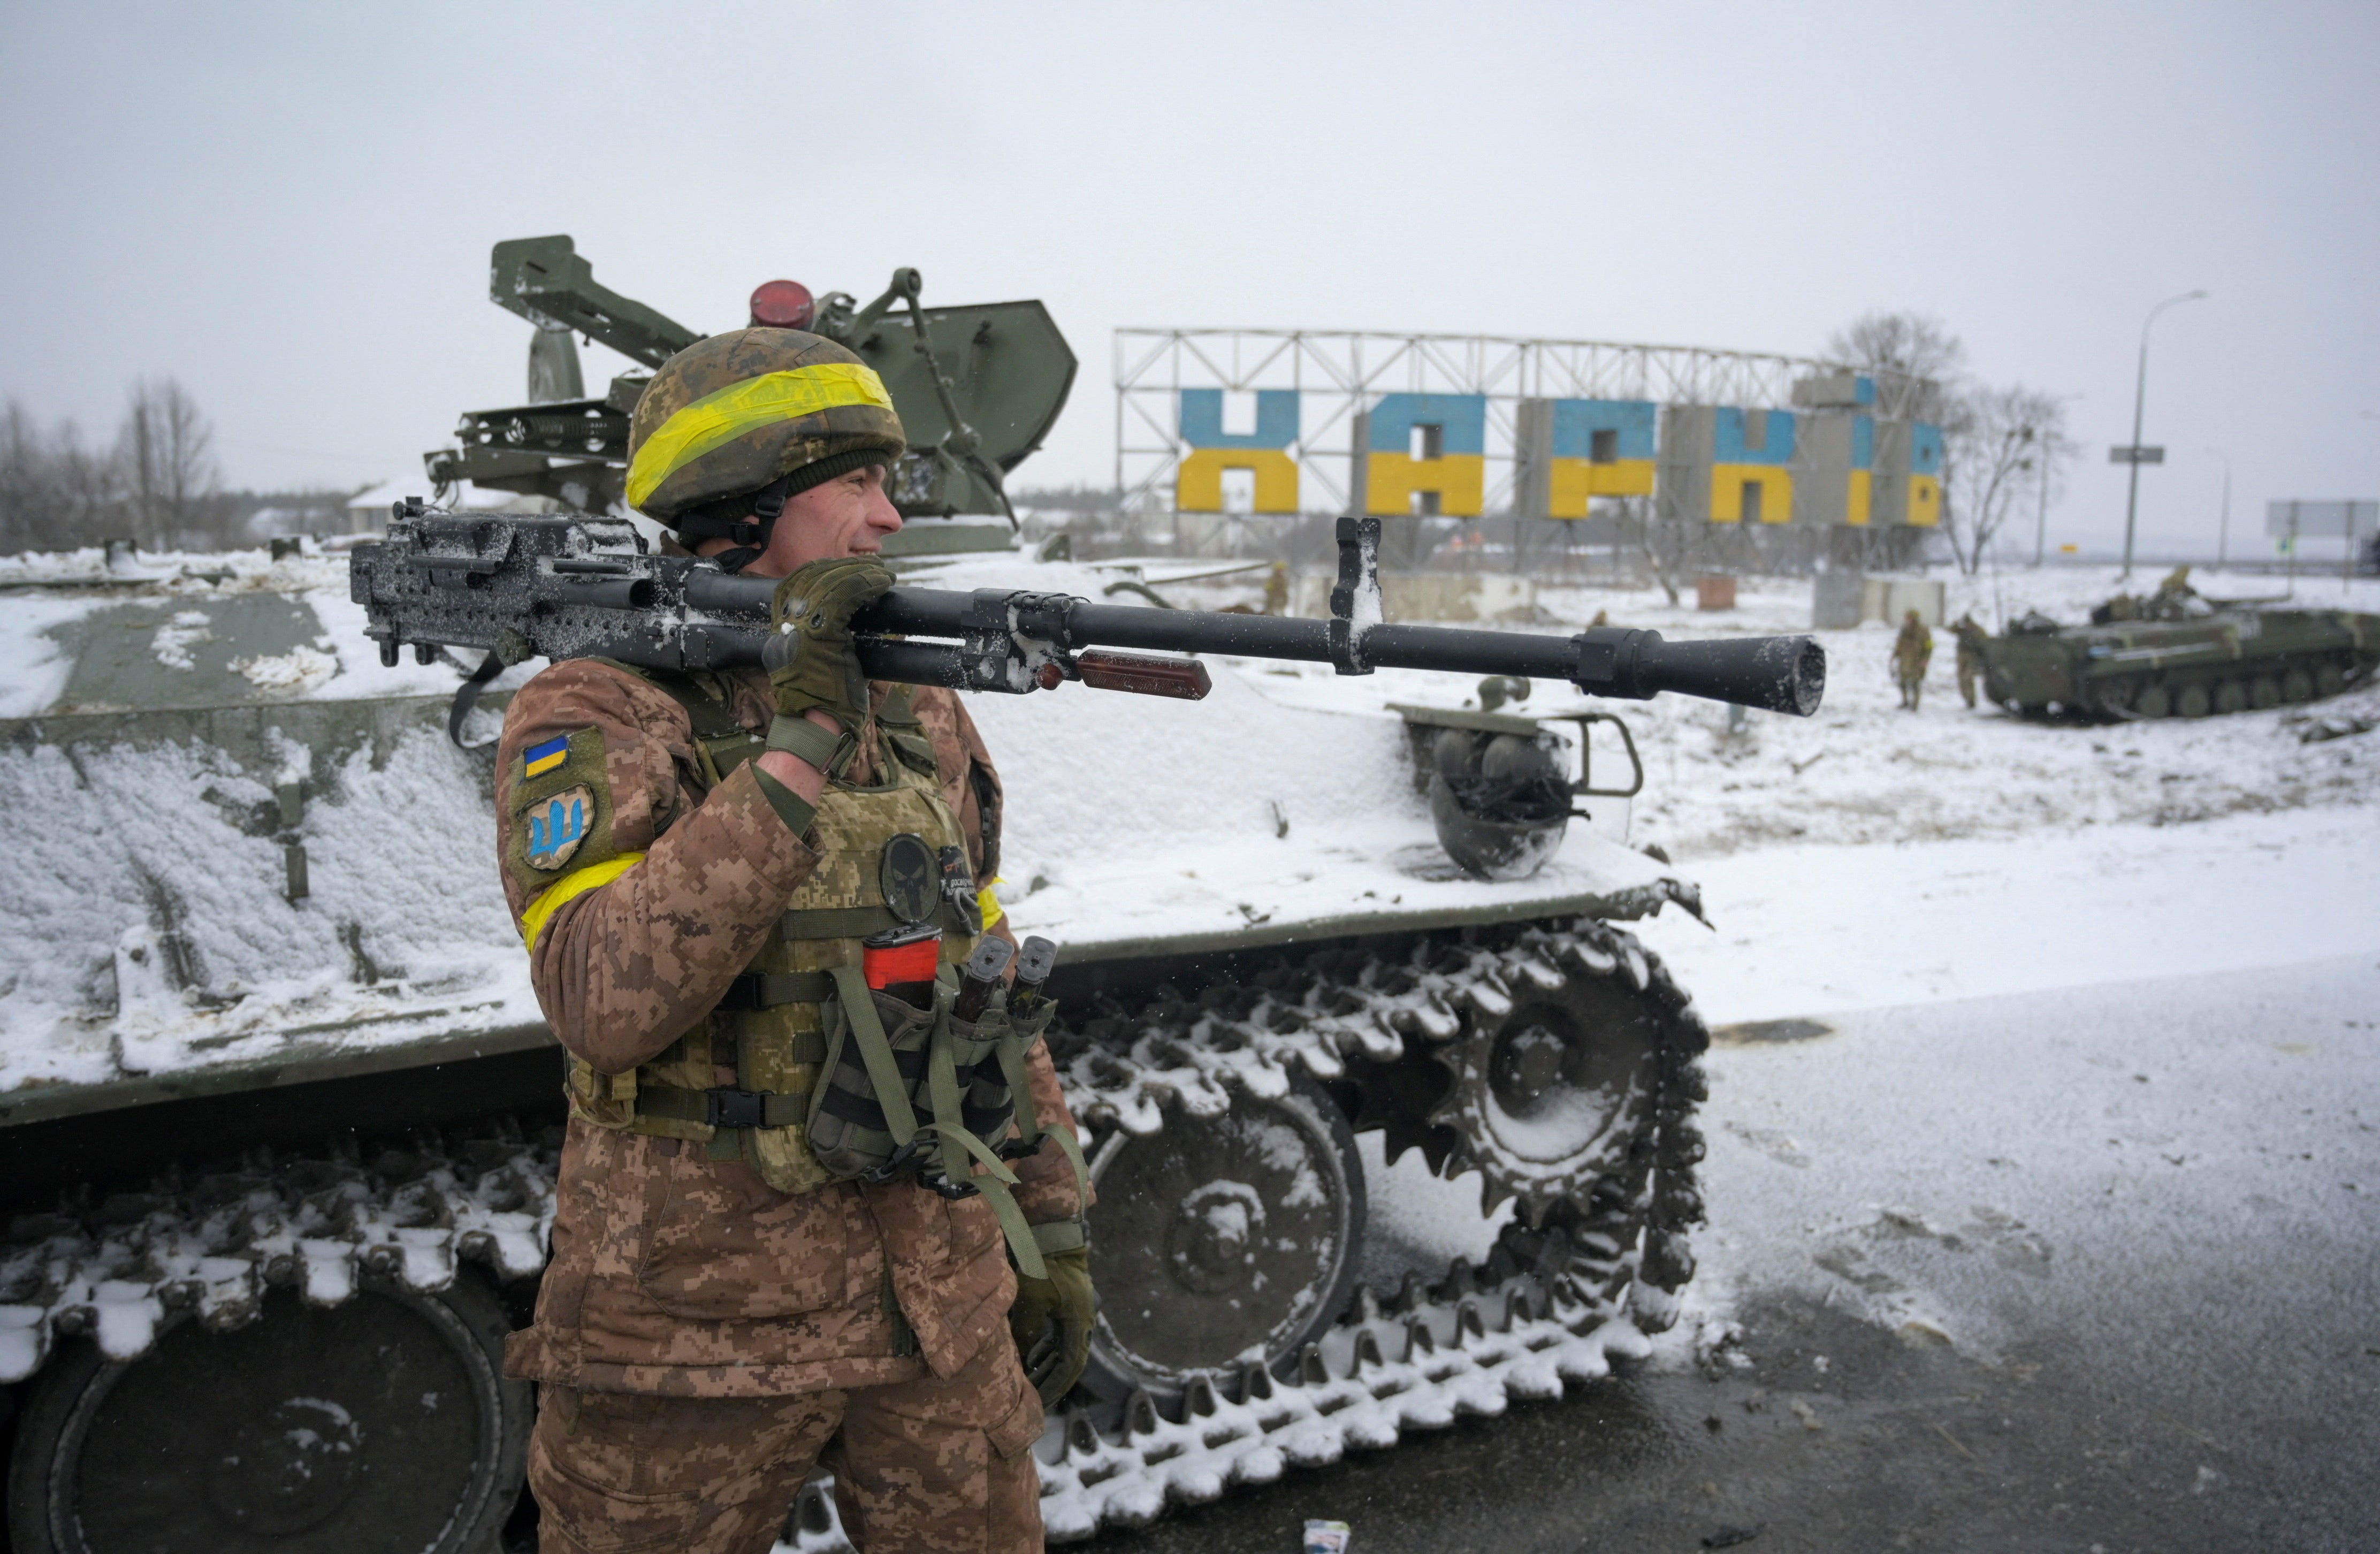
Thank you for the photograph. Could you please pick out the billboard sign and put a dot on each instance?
(2322, 520)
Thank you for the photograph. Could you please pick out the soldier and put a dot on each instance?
(1911, 652)
(729, 883)
(1276, 592)
(1971, 655)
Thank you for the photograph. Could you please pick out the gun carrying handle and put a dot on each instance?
(1636, 762)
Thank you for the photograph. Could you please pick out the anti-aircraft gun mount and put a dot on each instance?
(977, 387)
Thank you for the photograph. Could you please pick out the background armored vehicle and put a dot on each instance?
(2174, 653)
(278, 1115)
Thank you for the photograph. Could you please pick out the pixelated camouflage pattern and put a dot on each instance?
(753, 460)
(928, 1464)
(673, 1272)
(1911, 649)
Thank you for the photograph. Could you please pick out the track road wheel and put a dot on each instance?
(2295, 685)
(2230, 696)
(2329, 678)
(382, 1423)
(1217, 1238)
(2264, 692)
(2193, 701)
(1559, 1094)
(2155, 702)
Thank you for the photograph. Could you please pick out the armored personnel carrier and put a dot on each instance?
(2175, 653)
(279, 1116)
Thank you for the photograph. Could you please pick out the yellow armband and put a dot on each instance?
(576, 883)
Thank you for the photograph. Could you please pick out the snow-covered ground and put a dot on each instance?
(2069, 998)
(1975, 916)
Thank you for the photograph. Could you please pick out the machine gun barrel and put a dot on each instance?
(1774, 674)
(560, 587)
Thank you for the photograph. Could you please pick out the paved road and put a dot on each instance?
(2041, 1272)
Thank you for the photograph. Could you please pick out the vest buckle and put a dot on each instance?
(726, 1108)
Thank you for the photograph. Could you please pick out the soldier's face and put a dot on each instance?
(848, 516)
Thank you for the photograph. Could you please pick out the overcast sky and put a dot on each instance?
(289, 207)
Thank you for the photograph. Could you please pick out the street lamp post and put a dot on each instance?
(2041, 516)
(2140, 399)
(2223, 534)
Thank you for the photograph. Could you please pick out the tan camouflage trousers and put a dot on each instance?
(942, 1466)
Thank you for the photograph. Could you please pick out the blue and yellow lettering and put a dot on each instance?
(1601, 448)
(1752, 453)
(1198, 482)
(1450, 462)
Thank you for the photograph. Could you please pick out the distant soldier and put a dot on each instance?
(1911, 652)
(1970, 656)
(2172, 601)
(1276, 595)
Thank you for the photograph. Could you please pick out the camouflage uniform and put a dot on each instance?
(1970, 656)
(1912, 650)
(701, 1336)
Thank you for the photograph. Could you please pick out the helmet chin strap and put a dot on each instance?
(749, 534)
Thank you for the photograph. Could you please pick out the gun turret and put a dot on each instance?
(977, 385)
(562, 587)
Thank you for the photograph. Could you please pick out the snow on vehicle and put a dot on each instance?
(279, 1115)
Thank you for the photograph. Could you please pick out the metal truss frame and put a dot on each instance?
(1346, 368)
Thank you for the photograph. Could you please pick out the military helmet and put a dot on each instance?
(732, 425)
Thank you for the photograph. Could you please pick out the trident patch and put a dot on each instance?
(557, 826)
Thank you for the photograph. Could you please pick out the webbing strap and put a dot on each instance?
(942, 1095)
(876, 1053)
(858, 922)
(994, 1188)
(1060, 1235)
(725, 1109)
(1019, 1079)
(767, 989)
(1013, 1071)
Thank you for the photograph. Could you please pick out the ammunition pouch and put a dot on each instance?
(837, 1081)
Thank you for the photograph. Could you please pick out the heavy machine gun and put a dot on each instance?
(577, 587)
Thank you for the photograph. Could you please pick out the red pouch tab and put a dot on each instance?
(914, 961)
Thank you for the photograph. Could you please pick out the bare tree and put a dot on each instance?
(1996, 443)
(54, 493)
(1919, 363)
(169, 471)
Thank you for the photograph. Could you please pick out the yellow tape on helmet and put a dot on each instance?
(577, 882)
(721, 417)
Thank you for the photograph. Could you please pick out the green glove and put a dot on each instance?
(808, 656)
(1051, 1322)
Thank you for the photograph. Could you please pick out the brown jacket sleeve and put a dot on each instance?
(624, 968)
(1046, 1188)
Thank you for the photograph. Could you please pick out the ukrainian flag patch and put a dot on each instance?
(538, 759)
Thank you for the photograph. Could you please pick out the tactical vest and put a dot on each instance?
(837, 1079)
